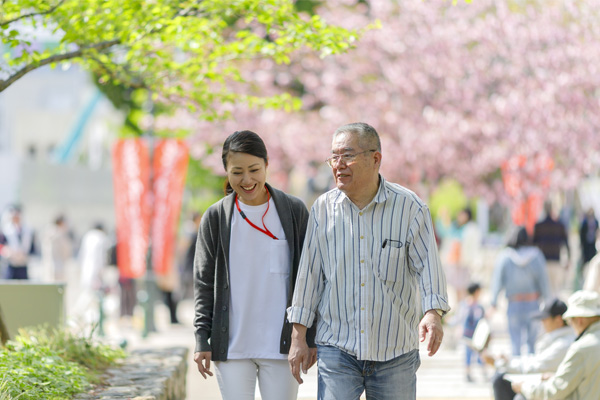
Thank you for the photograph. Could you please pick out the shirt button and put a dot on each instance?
(362, 261)
(360, 213)
(362, 309)
(362, 237)
(362, 284)
(224, 329)
(362, 331)
(224, 308)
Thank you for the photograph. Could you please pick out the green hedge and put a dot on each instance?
(44, 363)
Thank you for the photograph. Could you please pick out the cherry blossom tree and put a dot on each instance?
(454, 91)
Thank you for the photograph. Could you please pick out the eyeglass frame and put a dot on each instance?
(345, 158)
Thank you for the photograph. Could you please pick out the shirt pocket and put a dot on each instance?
(391, 259)
(278, 257)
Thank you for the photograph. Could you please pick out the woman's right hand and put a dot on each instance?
(202, 358)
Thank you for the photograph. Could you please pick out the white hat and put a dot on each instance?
(583, 303)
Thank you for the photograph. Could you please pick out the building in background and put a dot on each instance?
(56, 130)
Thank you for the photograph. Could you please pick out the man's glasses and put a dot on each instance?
(345, 158)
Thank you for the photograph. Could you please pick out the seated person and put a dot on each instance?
(550, 349)
(578, 375)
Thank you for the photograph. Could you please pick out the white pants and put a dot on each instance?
(556, 276)
(237, 379)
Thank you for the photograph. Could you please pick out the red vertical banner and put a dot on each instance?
(526, 182)
(131, 177)
(170, 165)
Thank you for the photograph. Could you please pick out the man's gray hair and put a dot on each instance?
(367, 135)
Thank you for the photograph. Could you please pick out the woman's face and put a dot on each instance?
(247, 175)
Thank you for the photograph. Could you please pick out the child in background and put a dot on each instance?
(473, 312)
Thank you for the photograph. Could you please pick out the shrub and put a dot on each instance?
(43, 363)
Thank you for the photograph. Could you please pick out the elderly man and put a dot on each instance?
(550, 349)
(369, 251)
(578, 375)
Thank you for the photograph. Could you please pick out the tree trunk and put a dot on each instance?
(3, 331)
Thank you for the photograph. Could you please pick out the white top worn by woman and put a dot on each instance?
(259, 283)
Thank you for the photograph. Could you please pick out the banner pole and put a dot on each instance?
(149, 280)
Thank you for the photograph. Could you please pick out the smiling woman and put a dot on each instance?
(246, 175)
(245, 268)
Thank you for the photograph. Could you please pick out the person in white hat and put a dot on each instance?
(578, 375)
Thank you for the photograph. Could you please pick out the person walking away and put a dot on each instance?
(521, 272)
(550, 236)
(167, 284)
(245, 268)
(456, 273)
(588, 235)
(93, 259)
(187, 273)
(57, 249)
(17, 243)
(369, 251)
(474, 312)
(470, 245)
(578, 374)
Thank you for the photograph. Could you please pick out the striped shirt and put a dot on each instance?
(362, 270)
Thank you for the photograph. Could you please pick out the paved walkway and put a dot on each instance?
(439, 377)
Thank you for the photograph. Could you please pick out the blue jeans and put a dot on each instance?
(343, 377)
(470, 354)
(521, 325)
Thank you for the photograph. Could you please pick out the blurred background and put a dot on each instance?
(492, 105)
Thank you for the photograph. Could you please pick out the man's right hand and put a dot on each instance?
(202, 358)
(300, 357)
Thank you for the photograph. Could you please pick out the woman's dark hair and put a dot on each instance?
(242, 142)
(518, 238)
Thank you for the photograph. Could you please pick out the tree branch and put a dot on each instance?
(114, 73)
(3, 331)
(53, 59)
(33, 14)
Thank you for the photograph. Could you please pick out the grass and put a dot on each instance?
(52, 364)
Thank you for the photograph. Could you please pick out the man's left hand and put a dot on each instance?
(431, 325)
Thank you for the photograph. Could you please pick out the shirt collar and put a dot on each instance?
(380, 196)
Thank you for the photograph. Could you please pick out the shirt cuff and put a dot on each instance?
(528, 389)
(435, 302)
(302, 316)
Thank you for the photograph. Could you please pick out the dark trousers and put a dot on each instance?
(128, 296)
(172, 305)
(502, 388)
(16, 272)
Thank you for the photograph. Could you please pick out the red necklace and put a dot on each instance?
(266, 231)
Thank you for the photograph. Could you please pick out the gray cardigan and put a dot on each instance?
(211, 271)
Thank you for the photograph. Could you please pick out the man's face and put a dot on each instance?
(16, 218)
(355, 177)
(548, 324)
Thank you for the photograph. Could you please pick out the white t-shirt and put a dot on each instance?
(259, 271)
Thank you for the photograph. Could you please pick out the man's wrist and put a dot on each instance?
(438, 312)
(299, 332)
